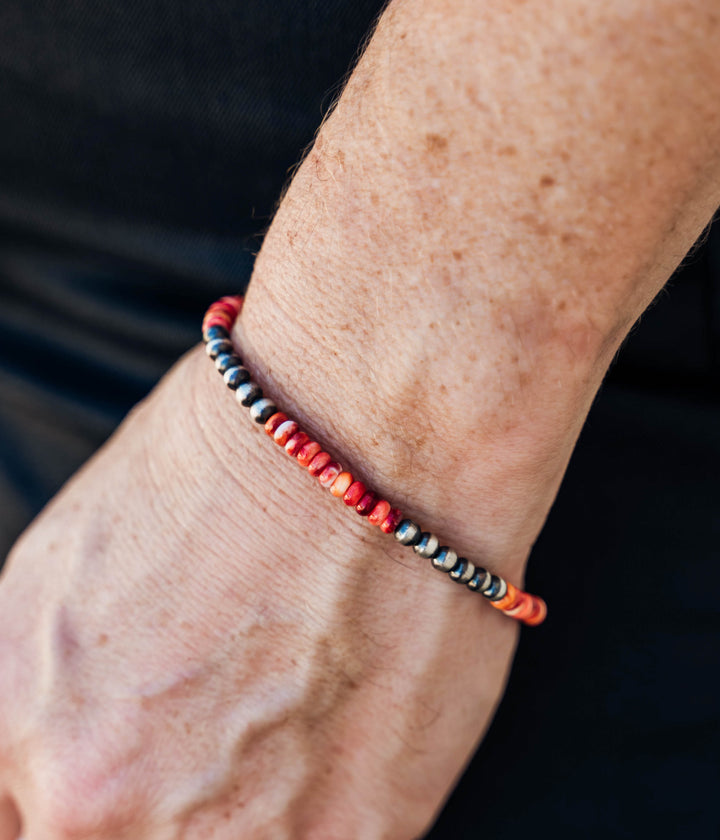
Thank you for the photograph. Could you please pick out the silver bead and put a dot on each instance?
(480, 580)
(502, 590)
(445, 560)
(247, 392)
(262, 410)
(217, 346)
(407, 533)
(468, 574)
(234, 376)
(225, 361)
(428, 545)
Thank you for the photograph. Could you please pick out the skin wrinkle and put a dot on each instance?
(328, 429)
(313, 703)
(229, 456)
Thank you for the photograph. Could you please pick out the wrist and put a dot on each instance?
(470, 442)
(316, 539)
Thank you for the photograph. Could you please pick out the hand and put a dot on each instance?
(200, 639)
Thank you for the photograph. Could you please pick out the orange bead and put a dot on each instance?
(341, 484)
(319, 462)
(391, 521)
(379, 512)
(308, 452)
(274, 422)
(329, 474)
(522, 610)
(511, 599)
(354, 493)
(296, 442)
(539, 613)
(285, 431)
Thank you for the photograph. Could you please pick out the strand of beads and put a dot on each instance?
(308, 453)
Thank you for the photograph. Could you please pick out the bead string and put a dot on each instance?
(286, 432)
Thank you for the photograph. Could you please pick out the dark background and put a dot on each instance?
(142, 150)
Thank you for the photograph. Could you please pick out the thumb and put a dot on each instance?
(10, 823)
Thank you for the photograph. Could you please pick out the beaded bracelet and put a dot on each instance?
(216, 329)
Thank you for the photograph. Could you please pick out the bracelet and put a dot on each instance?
(286, 432)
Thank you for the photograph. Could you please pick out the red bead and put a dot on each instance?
(391, 521)
(235, 302)
(329, 474)
(341, 484)
(538, 614)
(379, 512)
(524, 607)
(354, 493)
(299, 439)
(319, 462)
(275, 422)
(217, 321)
(285, 431)
(512, 598)
(366, 504)
(308, 452)
(220, 308)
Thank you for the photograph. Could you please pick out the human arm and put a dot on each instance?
(192, 591)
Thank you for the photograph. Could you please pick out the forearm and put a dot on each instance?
(565, 155)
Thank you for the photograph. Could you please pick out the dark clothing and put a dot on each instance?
(143, 147)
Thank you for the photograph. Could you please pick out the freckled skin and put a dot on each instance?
(273, 666)
(435, 143)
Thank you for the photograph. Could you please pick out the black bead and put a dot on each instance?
(225, 361)
(494, 587)
(235, 376)
(215, 332)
